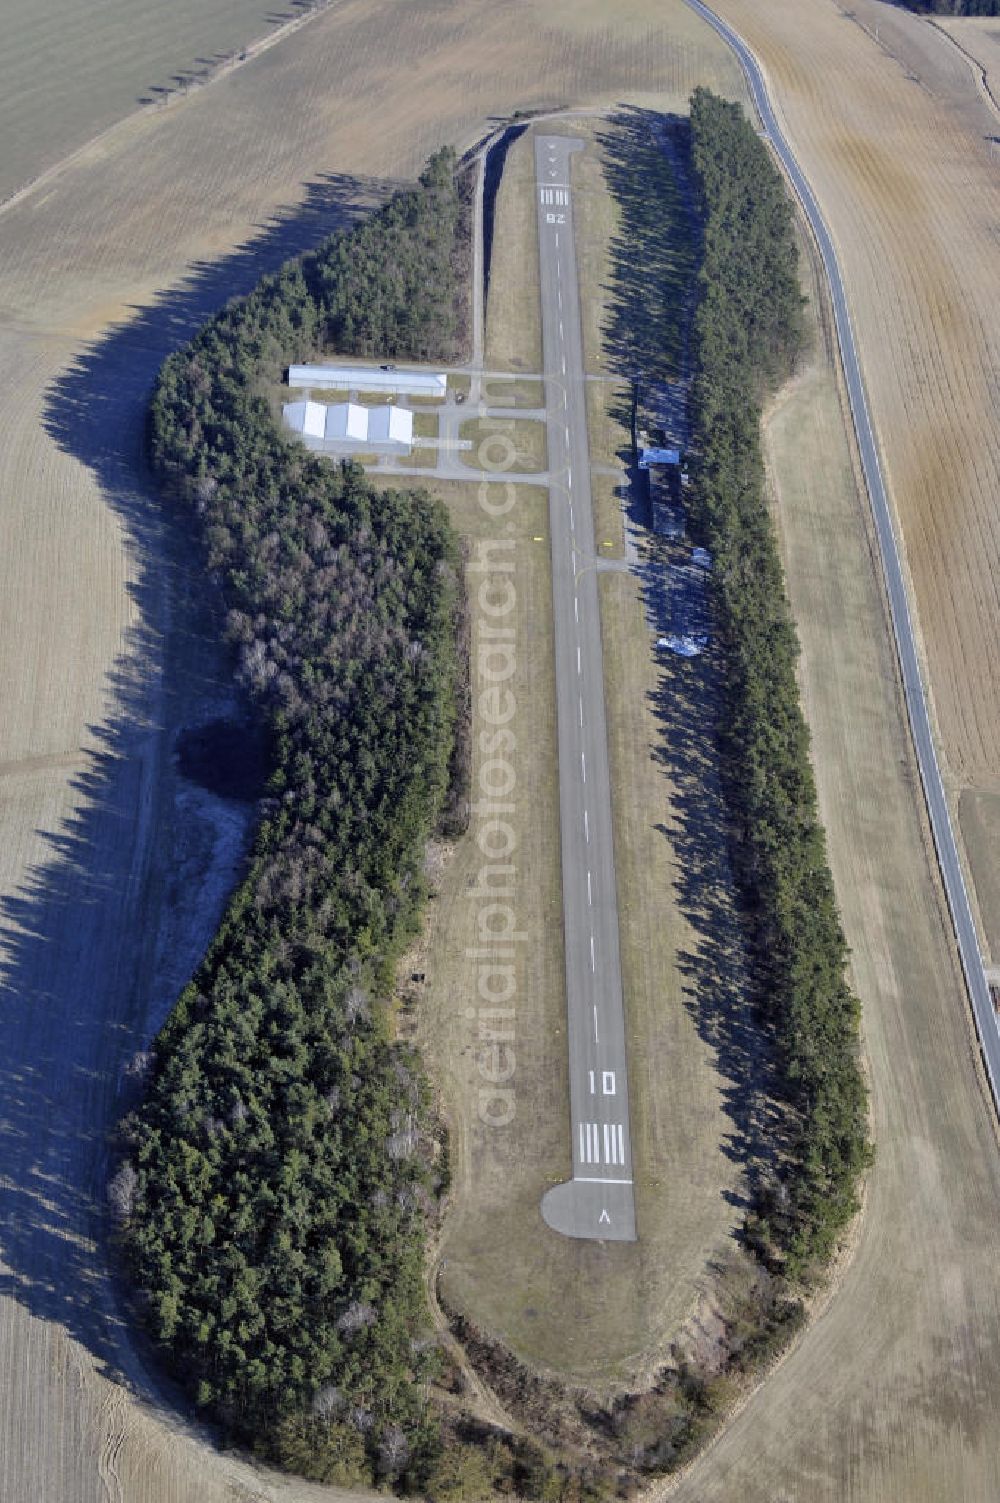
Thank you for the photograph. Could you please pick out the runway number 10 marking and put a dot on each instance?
(607, 1082)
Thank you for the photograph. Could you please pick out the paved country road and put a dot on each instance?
(916, 699)
(598, 1201)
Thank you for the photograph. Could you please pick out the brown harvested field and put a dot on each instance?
(102, 269)
(979, 39)
(893, 1393)
(68, 71)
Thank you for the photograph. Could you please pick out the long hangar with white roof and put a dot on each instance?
(365, 378)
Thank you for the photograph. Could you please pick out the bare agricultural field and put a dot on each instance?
(68, 71)
(979, 38)
(103, 269)
(891, 1395)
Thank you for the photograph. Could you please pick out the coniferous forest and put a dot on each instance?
(747, 336)
(281, 1166)
(955, 7)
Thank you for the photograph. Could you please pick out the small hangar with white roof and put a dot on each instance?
(348, 424)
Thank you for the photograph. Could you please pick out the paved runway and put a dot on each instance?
(597, 1202)
(916, 701)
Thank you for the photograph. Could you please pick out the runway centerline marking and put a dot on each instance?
(601, 1141)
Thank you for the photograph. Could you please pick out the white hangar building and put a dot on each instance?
(367, 378)
(348, 423)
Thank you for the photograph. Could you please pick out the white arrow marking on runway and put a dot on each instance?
(604, 1217)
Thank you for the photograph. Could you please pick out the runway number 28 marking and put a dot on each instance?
(555, 219)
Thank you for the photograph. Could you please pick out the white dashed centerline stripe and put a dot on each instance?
(586, 825)
(596, 1038)
(579, 661)
(576, 614)
(590, 891)
(583, 765)
(593, 958)
(581, 713)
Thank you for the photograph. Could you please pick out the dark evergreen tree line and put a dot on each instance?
(954, 7)
(747, 335)
(283, 1161)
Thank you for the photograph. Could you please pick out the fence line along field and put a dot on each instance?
(102, 270)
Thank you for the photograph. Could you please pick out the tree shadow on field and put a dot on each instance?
(78, 989)
(651, 298)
